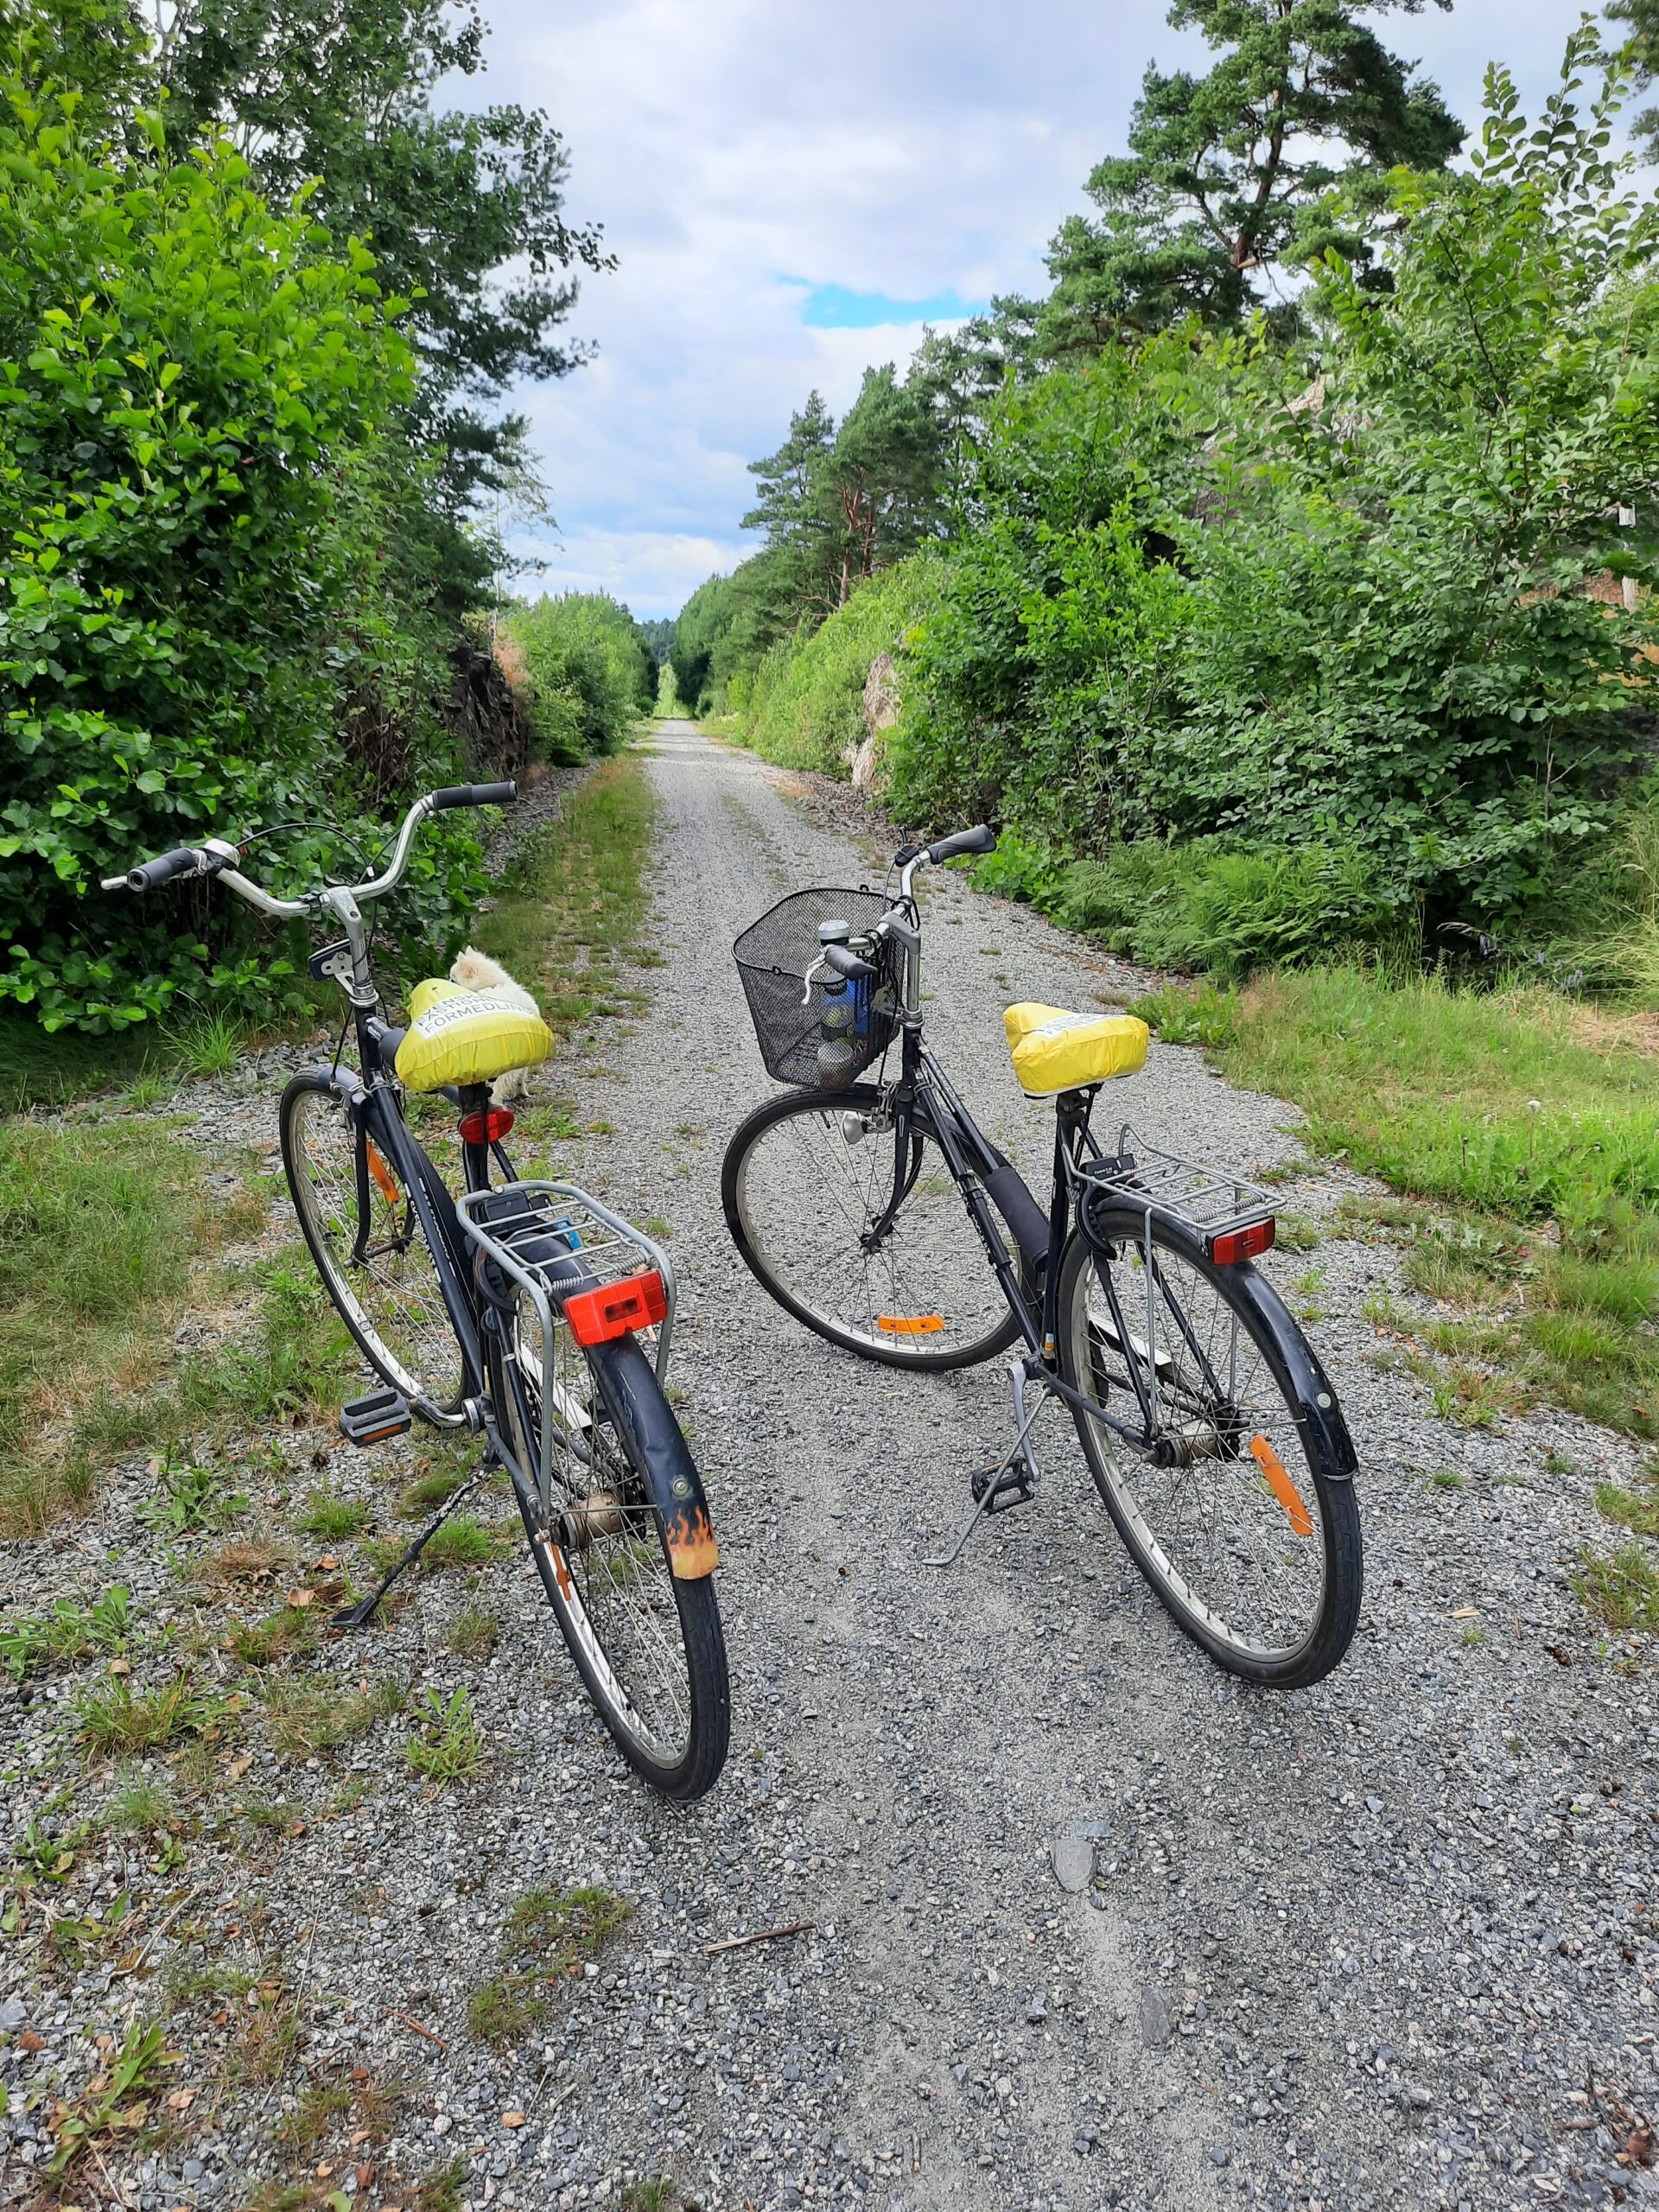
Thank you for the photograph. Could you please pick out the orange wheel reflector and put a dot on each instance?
(1281, 1486)
(910, 1325)
(383, 1176)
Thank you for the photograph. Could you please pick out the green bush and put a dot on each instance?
(803, 706)
(1330, 599)
(205, 621)
(591, 673)
(1206, 906)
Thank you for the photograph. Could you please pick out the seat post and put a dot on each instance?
(474, 1099)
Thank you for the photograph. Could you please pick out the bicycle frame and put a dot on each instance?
(378, 1119)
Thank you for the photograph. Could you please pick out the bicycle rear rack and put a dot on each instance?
(1210, 1201)
(554, 1241)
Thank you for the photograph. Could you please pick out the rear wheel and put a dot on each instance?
(806, 1179)
(1249, 1539)
(390, 1299)
(647, 1642)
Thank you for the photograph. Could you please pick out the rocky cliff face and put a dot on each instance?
(881, 712)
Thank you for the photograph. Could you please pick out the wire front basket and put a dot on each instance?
(818, 1035)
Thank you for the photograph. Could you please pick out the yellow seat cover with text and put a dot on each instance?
(461, 1037)
(1055, 1051)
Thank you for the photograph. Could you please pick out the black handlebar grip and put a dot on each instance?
(848, 963)
(476, 795)
(148, 875)
(981, 839)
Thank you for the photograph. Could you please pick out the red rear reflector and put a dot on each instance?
(485, 1128)
(598, 1316)
(1242, 1243)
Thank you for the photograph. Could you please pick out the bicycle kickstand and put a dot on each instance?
(1011, 1481)
(359, 1615)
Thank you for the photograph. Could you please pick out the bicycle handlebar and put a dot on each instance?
(215, 857)
(980, 839)
(847, 963)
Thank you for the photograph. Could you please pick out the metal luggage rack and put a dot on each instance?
(604, 1246)
(1209, 1199)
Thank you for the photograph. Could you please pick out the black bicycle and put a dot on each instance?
(880, 1215)
(524, 1311)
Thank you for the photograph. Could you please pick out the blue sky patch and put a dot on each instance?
(833, 307)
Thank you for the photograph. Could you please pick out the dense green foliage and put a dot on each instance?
(591, 670)
(237, 467)
(348, 92)
(1229, 173)
(804, 705)
(1217, 589)
(207, 621)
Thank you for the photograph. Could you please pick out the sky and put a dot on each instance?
(792, 190)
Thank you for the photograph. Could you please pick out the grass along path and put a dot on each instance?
(1521, 1131)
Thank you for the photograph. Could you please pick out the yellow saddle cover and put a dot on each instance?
(1056, 1051)
(461, 1037)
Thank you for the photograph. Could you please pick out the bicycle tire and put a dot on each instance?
(1242, 1442)
(758, 1190)
(624, 1382)
(393, 1305)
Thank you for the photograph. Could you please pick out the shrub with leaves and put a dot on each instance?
(1334, 598)
(206, 625)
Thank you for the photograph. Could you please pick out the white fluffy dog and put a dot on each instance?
(475, 971)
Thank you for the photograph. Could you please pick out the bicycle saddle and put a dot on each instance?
(1054, 1050)
(462, 1037)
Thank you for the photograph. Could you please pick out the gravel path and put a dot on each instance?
(1380, 1943)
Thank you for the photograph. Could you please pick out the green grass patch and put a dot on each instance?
(549, 1935)
(573, 901)
(100, 1226)
(1621, 1588)
(1522, 1131)
(474, 1633)
(332, 1518)
(446, 1746)
(1631, 1510)
(114, 1719)
(307, 1719)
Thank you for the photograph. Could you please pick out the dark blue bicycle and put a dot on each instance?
(523, 1311)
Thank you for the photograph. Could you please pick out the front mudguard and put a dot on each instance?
(628, 1383)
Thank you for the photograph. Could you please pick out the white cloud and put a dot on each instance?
(904, 147)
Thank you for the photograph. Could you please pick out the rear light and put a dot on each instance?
(1242, 1243)
(597, 1317)
(485, 1128)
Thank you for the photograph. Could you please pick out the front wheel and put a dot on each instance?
(807, 1179)
(390, 1299)
(647, 1643)
(1229, 1506)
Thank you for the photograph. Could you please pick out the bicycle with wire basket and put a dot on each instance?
(878, 1213)
(523, 1311)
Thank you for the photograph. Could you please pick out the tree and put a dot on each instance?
(838, 504)
(1642, 17)
(1228, 175)
(342, 96)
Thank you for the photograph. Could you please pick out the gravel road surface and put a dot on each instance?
(1090, 1924)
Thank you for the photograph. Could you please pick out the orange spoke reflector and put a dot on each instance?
(383, 1176)
(910, 1325)
(1281, 1486)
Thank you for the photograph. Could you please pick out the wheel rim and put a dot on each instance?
(392, 1298)
(606, 1550)
(1234, 1531)
(807, 1196)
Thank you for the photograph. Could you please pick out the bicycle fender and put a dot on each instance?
(1318, 1414)
(675, 1487)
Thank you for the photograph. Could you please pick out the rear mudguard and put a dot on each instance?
(633, 1395)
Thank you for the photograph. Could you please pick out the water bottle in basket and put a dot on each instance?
(840, 1017)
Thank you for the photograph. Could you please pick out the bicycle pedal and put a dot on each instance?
(1007, 1485)
(371, 1420)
